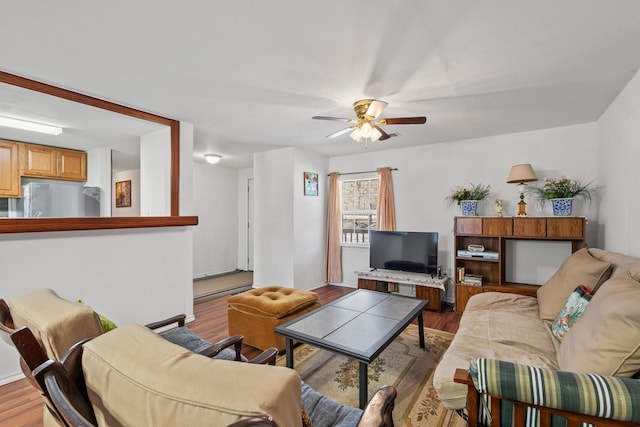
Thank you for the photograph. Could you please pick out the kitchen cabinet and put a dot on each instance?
(9, 173)
(72, 165)
(41, 161)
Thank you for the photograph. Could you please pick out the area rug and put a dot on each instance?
(403, 364)
(222, 284)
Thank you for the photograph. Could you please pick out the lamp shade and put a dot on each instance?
(521, 173)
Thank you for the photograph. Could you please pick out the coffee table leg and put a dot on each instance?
(289, 350)
(364, 384)
(421, 329)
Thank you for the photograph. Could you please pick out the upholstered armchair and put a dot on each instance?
(508, 394)
(132, 377)
(58, 324)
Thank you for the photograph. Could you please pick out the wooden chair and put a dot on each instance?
(180, 335)
(32, 354)
(64, 387)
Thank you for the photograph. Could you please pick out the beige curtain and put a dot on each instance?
(386, 204)
(334, 250)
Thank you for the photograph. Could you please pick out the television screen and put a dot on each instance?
(415, 252)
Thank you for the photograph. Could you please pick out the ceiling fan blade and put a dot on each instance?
(340, 132)
(334, 118)
(383, 134)
(403, 121)
(375, 108)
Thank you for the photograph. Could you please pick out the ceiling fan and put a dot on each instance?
(366, 127)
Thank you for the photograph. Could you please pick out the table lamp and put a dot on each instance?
(519, 175)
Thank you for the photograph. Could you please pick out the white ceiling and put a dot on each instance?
(249, 75)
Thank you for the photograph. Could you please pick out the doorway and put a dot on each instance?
(250, 224)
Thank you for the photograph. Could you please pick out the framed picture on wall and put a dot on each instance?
(123, 194)
(310, 184)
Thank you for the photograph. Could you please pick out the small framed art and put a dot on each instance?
(310, 184)
(123, 194)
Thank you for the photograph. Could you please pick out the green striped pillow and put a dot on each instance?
(597, 395)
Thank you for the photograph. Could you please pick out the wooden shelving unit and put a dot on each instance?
(493, 233)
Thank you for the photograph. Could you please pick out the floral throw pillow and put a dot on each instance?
(572, 311)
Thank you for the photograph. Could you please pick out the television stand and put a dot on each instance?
(426, 286)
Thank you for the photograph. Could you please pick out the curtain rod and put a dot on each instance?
(356, 173)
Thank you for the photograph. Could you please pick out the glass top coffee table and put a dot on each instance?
(359, 325)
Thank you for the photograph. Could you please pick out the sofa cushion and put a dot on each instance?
(620, 264)
(606, 340)
(579, 269)
(57, 323)
(135, 377)
(571, 312)
(495, 325)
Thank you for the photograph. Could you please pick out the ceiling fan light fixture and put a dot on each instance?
(212, 158)
(366, 130)
(366, 127)
(375, 134)
(356, 135)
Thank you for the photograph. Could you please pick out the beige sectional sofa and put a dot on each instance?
(517, 328)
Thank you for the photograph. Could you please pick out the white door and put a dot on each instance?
(250, 224)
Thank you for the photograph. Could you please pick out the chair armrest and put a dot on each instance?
(233, 340)
(379, 410)
(179, 319)
(267, 357)
(31, 352)
(588, 394)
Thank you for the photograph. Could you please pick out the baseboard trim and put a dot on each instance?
(12, 378)
(230, 291)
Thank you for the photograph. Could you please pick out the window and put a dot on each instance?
(359, 200)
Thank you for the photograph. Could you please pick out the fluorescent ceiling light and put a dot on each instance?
(212, 158)
(31, 126)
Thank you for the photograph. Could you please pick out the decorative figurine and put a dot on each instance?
(498, 207)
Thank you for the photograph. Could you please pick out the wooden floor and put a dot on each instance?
(21, 404)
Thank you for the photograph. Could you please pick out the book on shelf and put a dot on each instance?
(472, 279)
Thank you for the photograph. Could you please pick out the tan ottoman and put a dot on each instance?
(256, 313)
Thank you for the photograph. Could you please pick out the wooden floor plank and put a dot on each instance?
(21, 405)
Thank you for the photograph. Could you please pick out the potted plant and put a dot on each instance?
(468, 197)
(561, 192)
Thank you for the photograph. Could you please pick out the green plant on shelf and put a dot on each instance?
(472, 192)
(563, 188)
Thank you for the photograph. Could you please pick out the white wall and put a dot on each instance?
(130, 275)
(273, 218)
(309, 222)
(134, 177)
(155, 173)
(618, 154)
(289, 227)
(427, 173)
(215, 238)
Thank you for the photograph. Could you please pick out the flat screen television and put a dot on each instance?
(416, 252)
